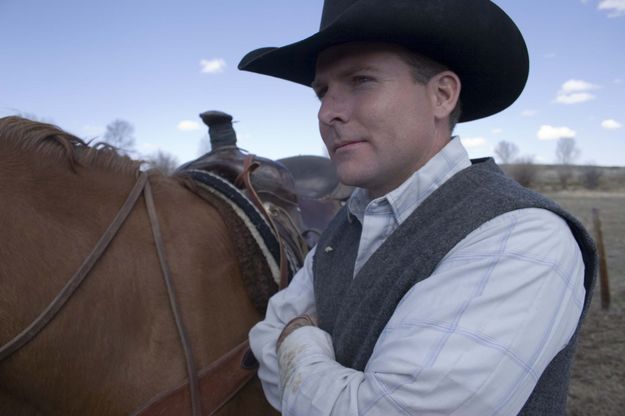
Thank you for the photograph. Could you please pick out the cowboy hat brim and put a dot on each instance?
(473, 38)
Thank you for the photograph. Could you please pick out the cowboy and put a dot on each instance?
(442, 287)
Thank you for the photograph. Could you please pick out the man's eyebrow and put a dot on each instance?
(358, 68)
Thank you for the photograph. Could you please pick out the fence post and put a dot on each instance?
(603, 267)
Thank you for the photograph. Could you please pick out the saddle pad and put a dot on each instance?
(258, 227)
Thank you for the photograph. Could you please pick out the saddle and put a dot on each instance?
(320, 194)
(301, 193)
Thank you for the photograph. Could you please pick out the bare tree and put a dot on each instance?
(591, 175)
(566, 153)
(506, 152)
(163, 161)
(120, 134)
(524, 171)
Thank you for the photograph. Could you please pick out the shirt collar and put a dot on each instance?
(403, 200)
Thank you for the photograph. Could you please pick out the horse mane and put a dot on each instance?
(51, 141)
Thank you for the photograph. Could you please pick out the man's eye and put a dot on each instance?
(320, 92)
(361, 79)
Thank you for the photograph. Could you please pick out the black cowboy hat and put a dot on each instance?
(474, 38)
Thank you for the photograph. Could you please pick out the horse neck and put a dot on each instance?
(51, 220)
(115, 337)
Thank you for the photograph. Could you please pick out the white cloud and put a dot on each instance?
(577, 85)
(615, 8)
(473, 141)
(528, 113)
(212, 66)
(575, 91)
(618, 81)
(575, 98)
(550, 55)
(611, 124)
(497, 131)
(547, 132)
(188, 125)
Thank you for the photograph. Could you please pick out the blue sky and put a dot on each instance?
(158, 64)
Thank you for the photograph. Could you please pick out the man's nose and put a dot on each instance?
(333, 108)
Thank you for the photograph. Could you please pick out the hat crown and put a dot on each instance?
(333, 9)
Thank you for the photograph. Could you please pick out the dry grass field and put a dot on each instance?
(598, 380)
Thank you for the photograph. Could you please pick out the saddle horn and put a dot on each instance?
(220, 129)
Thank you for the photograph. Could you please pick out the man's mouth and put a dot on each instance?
(346, 144)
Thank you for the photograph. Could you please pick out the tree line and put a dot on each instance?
(523, 169)
(120, 134)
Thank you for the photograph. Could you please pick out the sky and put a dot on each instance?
(82, 64)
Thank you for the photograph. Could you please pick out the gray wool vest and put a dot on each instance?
(355, 310)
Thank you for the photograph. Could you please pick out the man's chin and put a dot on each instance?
(351, 176)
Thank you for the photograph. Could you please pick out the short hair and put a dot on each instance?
(423, 69)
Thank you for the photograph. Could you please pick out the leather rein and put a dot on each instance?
(220, 367)
(70, 287)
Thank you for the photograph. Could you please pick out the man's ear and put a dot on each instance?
(445, 91)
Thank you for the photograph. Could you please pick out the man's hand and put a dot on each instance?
(293, 324)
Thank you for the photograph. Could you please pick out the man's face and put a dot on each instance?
(376, 121)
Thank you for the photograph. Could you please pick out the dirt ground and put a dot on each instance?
(598, 378)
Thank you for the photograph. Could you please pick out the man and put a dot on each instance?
(443, 287)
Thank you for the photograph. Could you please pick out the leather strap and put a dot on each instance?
(70, 287)
(219, 383)
(196, 404)
(249, 165)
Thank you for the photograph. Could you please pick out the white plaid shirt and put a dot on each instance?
(470, 346)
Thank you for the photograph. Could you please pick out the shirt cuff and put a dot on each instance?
(303, 347)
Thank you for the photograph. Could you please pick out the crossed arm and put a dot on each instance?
(472, 339)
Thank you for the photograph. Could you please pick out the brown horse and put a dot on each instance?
(114, 345)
